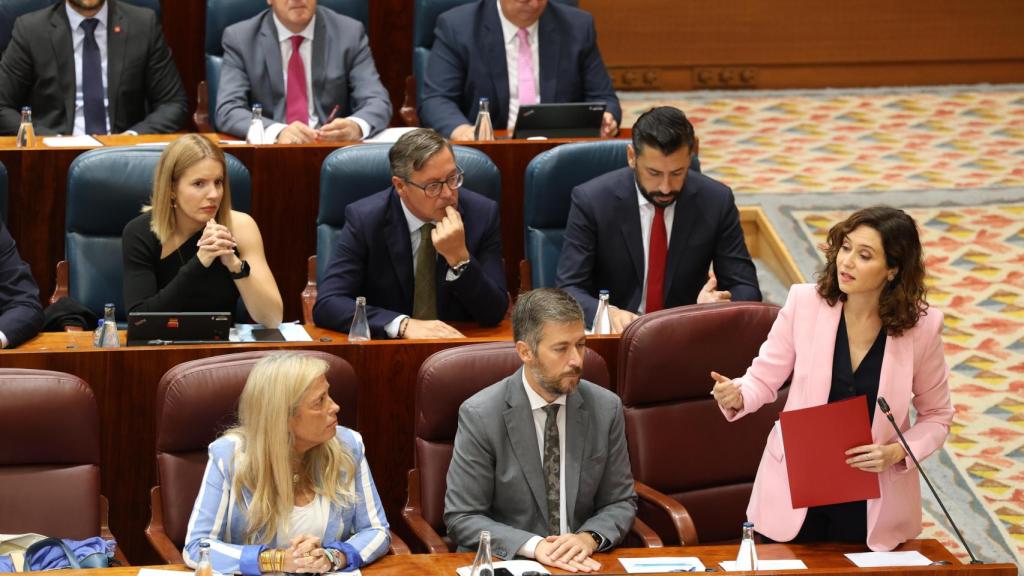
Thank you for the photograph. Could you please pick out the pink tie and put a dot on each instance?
(297, 106)
(527, 88)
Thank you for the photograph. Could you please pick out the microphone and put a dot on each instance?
(885, 410)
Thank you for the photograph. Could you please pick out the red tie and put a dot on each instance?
(656, 262)
(297, 107)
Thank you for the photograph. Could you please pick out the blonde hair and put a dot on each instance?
(271, 397)
(179, 156)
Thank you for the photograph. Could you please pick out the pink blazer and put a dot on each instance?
(801, 343)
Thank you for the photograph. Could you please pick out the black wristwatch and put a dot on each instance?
(242, 273)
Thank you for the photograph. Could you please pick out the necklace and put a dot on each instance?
(295, 478)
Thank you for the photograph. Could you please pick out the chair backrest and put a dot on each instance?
(679, 442)
(3, 192)
(195, 402)
(353, 173)
(107, 188)
(446, 379)
(11, 9)
(223, 13)
(49, 463)
(424, 19)
(547, 195)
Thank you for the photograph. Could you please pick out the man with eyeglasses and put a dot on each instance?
(424, 252)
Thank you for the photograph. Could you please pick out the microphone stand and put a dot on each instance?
(885, 410)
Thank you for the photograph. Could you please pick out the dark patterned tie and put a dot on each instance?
(552, 469)
(424, 296)
(92, 81)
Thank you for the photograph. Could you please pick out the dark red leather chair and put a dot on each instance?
(694, 470)
(196, 402)
(50, 460)
(446, 379)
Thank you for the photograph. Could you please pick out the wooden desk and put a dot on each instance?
(820, 559)
(124, 381)
(285, 198)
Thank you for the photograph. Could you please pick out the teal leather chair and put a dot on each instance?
(352, 173)
(223, 13)
(107, 188)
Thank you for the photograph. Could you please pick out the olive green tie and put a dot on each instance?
(424, 305)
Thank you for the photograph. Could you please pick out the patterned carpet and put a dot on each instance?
(952, 157)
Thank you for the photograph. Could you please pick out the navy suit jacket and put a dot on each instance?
(604, 250)
(467, 62)
(373, 258)
(21, 316)
(38, 70)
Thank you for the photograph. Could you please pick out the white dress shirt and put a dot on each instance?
(646, 221)
(510, 31)
(537, 405)
(78, 43)
(284, 36)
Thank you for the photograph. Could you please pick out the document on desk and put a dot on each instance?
(881, 559)
(730, 565)
(815, 441)
(71, 142)
(516, 567)
(661, 564)
(286, 332)
(156, 572)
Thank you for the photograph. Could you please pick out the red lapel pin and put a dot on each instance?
(117, 29)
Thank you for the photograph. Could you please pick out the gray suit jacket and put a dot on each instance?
(496, 481)
(342, 67)
(38, 70)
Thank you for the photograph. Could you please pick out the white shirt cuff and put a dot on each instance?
(529, 549)
(270, 133)
(392, 327)
(363, 125)
(3, 340)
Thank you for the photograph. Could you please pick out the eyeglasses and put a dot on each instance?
(433, 190)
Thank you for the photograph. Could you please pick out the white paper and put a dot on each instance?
(155, 572)
(391, 135)
(658, 564)
(879, 559)
(233, 142)
(71, 142)
(154, 144)
(516, 567)
(355, 572)
(730, 565)
(291, 331)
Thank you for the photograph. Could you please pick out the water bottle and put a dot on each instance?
(360, 330)
(108, 336)
(602, 321)
(26, 133)
(483, 130)
(203, 567)
(747, 558)
(482, 565)
(255, 133)
(97, 334)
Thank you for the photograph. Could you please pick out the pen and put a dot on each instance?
(333, 114)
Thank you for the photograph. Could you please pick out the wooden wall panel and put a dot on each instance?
(654, 44)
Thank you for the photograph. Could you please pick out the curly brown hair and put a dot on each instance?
(902, 301)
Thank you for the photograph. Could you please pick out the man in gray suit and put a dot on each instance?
(540, 458)
(311, 70)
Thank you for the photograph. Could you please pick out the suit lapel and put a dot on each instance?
(117, 39)
(684, 215)
(630, 225)
(493, 40)
(824, 347)
(577, 431)
(64, 56)
(396, 231)
(272, 59)
(320, 42)
(522, 434)
(549, 54)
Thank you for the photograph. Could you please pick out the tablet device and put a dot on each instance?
(561, 120)
(156, 328)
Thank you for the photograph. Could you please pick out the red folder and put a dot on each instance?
(815, 440)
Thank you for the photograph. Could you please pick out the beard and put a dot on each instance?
(555, 385)
(87, 4)
(657, 198)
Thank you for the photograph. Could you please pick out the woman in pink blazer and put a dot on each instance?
(865, 328)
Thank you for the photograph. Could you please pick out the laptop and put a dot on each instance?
(562, 120)
(157, 328)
